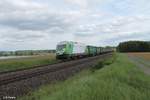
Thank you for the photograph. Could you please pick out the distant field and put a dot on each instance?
(27, 62)
(121, 80)
(13, 57)
(144, 55)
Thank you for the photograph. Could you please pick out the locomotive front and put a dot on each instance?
(61, 50)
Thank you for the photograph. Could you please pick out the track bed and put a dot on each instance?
(19, 83)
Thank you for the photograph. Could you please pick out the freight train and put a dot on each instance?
(71, 50)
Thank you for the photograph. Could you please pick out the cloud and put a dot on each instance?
(25, 24)
(81, 3)
(17, 39)
(41, 24)
(26, 16)
(119, 28)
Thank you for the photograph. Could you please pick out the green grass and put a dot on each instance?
(19, 63)
(120, 80)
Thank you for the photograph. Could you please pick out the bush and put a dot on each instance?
(104, 62)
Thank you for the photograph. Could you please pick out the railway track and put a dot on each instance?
(6, 79)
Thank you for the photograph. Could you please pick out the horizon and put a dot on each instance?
(41, 24)
(72, 41)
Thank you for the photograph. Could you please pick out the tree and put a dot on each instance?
(134, 46)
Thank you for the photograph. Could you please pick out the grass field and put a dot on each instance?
(19, 63)
(121, 80)
(144, 55)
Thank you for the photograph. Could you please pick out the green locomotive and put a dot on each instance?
(69, 49)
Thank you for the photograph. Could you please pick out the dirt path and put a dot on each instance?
(141, 63)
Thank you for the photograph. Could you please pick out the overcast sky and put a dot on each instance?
(41, 24)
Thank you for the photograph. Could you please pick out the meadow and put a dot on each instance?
(113, 79)
(27, 62)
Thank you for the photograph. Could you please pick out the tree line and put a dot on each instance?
(134, 46)
(25, 52)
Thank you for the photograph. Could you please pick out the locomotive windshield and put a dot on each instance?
(60, 47)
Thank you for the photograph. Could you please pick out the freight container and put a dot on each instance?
(92, 50)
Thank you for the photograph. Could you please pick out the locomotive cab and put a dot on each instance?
(60, 51)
